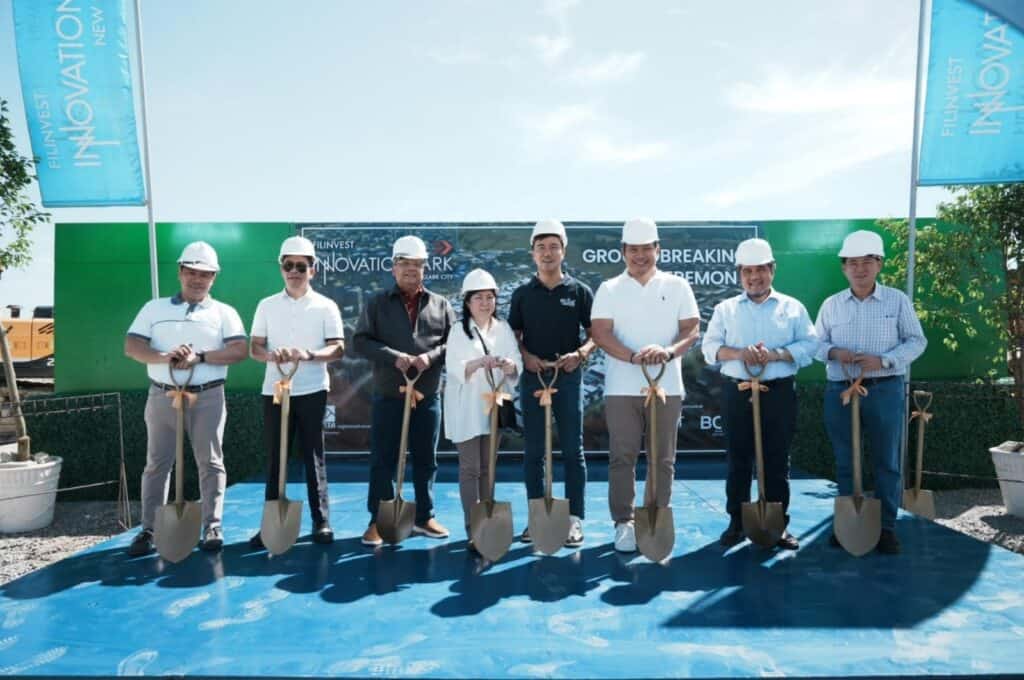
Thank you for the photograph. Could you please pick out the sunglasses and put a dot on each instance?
(300, 267)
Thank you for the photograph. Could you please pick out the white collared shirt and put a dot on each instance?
(779, 321)
(305, 323)
(464, 416)
(642, 315)
(166, 323)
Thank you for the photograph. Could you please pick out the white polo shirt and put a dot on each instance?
(166, 323)
(308, 323)
(644, 315)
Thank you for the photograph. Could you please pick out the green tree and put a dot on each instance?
(967, 269)
(18, 214)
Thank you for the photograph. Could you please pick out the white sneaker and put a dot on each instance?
(625, 537)
(575, 538)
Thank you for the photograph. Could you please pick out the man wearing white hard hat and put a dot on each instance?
(872, 331)
(188, 330)
(642, 316)
(481, 342)
(300, 325)
(401, 328)
(771, 334)
(551, 317)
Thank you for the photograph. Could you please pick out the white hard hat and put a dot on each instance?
(409, 247)
(199, 255)
(297, 245)
(639, 231)
(549, 227)
(754, 252)
(478, 279)
(862, 243)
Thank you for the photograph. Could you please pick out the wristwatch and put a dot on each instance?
(202, 357)
(886, 363)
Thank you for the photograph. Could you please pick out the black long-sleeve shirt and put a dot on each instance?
(384, 331)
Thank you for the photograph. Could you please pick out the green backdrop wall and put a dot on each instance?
(102, 279)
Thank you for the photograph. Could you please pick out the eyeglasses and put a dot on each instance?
(300, 267)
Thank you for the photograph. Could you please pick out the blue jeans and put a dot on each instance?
(385, 437)
(567, 416)
(882, 413)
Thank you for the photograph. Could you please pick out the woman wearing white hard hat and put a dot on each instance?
(480, 343)
(761, 330)
(873, 330)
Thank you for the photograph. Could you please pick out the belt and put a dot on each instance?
(773, 381)
(870, 381)
(191, 388)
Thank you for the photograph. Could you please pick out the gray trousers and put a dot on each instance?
(474, 479)
(204, 424)
(627, 423)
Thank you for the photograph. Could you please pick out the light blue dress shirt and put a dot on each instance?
(780, 322)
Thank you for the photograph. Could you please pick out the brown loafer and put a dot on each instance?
(431, 529)
(371, 537)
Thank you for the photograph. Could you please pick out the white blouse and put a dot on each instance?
(464, 416)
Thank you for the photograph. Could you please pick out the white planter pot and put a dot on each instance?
(20, 479)
(1008, 459)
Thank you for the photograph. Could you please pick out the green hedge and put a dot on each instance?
(968, 419)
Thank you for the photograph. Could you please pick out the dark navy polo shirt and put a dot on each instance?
(551, 320)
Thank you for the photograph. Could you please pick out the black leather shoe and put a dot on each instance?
(833, 541)
(732, 535)
(142, 544)
(323, 533)
(888, 544)
(787, 542)
(256, 541)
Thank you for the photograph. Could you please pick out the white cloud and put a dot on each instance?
(599, 148)
(583, 132)
(559, 9)
(613, 67)
(550, 48)
(560, 121)
(817, 125)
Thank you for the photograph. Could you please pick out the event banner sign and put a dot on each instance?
(974, 107)
(76, 82)
(356, 264)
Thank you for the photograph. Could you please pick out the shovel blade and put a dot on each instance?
(549, 524)
(763, 522)
(921, 503)
(857, 524)
(395, 519)
(655, 532)
(280, 526)
(176, 530)
(490, 527)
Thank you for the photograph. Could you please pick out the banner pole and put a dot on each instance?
(912, 216)
(154, 281)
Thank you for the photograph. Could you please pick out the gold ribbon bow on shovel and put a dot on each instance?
(279, 527)
(490, 521)
(857, 521)
(548, 519)
(764, 522)
(655, 527)
(177, 524)
(917, 500)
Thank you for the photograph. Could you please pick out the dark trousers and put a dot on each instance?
(385, 437)
(778, 423)
(567, 417)
(306, 421)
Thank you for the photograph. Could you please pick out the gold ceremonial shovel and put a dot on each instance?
(548, 517)
(917, 500)
(282, 517)
(858, 520)
(655, 528)
(177, 524)
(763, 522)
(490, 521)
(395, 517)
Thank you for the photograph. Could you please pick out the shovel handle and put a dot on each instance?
(755, 371)
(858, 489)
(289, 374)
(179, 434)
(922, 409)
(286, 406)
(492, 458)
(546, 366)
(650, 486)
(404, 440)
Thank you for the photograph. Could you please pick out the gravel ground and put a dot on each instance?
(78, 525)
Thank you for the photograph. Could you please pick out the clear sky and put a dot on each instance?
(471, 110)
